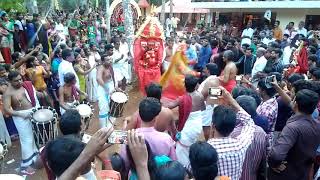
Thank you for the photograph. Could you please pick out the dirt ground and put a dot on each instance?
(14, 151)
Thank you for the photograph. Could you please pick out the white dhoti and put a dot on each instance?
(92, 85)
(207, 115)
(4, 134)
(121, 70)
(29, 149)
(189, 135)
(103, 102)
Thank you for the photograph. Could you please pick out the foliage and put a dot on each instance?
(9, 5)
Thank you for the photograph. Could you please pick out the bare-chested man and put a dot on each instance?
(69, 93)
(19, 99)
(165, 119)
(106, 84)
(191, 106)
(211, 72)
(228, 76)
(169, 53)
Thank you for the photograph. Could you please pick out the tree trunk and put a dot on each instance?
(163, 12)
(171, 8)
(32, 6)
(128, 22)
(108, 20)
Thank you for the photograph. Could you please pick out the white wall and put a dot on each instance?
(295, 15)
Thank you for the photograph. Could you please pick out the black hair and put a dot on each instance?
(57, 52)
(61, 153)
(277, 21)
(214, 43)
(190, 83)
(70, 122)
(172, 170)
(118, 164)
(313, 50)
(307, 101)
(108, 47)
(149, 108)
(224, 119)
(295, 77)
(316, 74)
(287, 35)
(77, 50)
(240, 90)
(154, 90)
(15, 57)
(313, 58)
(63, 46)
(30, 60)
(66, 53)
(277, 74)
(188, 41)
(204, 161)
(12, 75)
(278, 51)
(302, 84)
(69, 77)
(76, 54)
(269, 91)
(232, 41)
(213, 68)
(248, 104)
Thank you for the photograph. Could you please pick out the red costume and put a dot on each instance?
(148, 52)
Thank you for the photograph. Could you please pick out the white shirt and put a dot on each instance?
(259, 65)
(247, 32)
(286, 55)
(302, 31)
(266, 41)
(64, 68)
(19, 24)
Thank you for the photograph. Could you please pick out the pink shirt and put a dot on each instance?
(160, 143)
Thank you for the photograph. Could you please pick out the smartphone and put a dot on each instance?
(86, 138)
(118, 137)
(239, 78)
(269, 80)
(215, 92)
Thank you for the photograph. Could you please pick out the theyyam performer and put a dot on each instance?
(148, 51)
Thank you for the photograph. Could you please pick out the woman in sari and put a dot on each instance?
(6, 45)
(82, 68)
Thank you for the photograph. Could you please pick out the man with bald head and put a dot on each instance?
(260, 63)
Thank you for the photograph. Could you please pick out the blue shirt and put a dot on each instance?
(204, 56)
(191, 54)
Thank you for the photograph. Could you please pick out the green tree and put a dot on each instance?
(15, 5)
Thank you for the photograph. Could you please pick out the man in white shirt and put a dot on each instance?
(268, 39)
(120, 65)
(301, 29)
(248, 32)
(124, 49)
(66, 66)
(260, 63)
(287, 51)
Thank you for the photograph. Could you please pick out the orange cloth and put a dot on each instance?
(172, 81)
(277, 33)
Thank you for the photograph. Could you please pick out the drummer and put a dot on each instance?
(19, 99)
(107, 84)
(69, 93)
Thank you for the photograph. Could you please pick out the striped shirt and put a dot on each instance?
(232, 151)
(256, 153)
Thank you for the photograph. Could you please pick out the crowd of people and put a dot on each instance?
(263, 123)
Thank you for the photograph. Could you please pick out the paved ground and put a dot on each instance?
(14, 151)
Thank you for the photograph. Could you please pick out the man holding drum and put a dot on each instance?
(19, 100)
(69, 93)
(107, 84)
